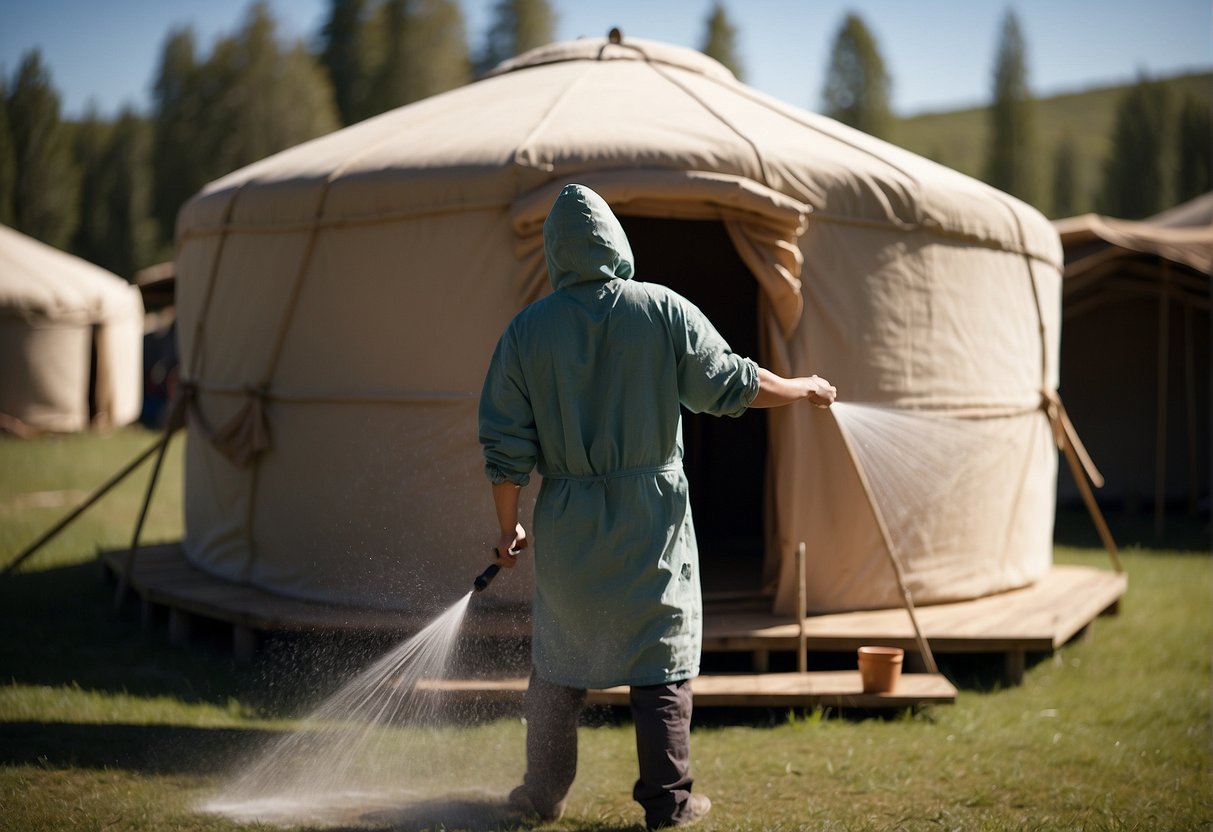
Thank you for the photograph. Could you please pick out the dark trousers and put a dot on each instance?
(662, 716)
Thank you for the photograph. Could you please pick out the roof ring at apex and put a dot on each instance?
(615, 35)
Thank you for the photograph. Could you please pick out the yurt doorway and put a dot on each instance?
(725, 458)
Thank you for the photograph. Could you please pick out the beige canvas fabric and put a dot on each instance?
(354, 288)
(55, 310)
(1191, 245)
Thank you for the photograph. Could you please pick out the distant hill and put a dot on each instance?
(957, 139)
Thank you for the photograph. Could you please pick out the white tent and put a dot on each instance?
(70, 339)
(339, 302)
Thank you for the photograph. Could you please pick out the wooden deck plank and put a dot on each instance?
(839, 688)
(1036, 618)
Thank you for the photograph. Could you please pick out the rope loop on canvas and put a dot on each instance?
(247, 433)
(244, 436)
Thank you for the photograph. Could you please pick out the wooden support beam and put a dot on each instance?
(180, 627)
(244, 643)
(1014, 663)
(1160, 418)
(760, 661)
(1190, 402)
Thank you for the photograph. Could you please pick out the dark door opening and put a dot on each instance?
(725, 458)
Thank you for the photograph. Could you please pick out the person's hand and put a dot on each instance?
(821, 392)
(509, 544)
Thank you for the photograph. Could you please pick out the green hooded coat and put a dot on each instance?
(585, 385)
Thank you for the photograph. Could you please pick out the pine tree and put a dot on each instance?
(1194, 147)
(8, 161)
(720, 40)
(857, 84)
(178, 170)
(90, 146)
(132, 200)
(1010, 164)
(518, 25)
(1135, 180)
(47, 182)
(269, 98)
(345, 55)
(1065, 172)
(424, 52)
(116, 230)
(251, 98)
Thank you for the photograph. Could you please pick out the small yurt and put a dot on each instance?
(71, 337)
(338, 304)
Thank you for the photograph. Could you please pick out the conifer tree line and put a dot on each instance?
(109, 189)
(1160, 151)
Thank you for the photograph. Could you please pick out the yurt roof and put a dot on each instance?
(40, 281)
(1183, 234)
(572, 110)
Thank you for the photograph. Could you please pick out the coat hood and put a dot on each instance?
(583, 241)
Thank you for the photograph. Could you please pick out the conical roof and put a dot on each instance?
(38, 281)
(575, 108)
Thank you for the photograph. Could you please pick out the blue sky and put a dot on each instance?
(940, 53)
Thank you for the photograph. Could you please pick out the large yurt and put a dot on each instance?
(71, 336)
(338, 304)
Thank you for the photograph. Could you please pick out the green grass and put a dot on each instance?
(42, 481)
(105, 726)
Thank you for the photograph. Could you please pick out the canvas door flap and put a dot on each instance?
(764, 225)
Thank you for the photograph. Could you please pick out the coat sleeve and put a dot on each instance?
(507, 422)
(711, 377)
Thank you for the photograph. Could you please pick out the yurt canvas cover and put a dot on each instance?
(339, 303)
(70, 339)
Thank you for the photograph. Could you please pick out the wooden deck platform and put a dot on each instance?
(1037, 619)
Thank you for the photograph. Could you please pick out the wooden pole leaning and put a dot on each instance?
(1088, 498)
(1081, 467)
(907, 600)
(802, 605)
(1161, 396)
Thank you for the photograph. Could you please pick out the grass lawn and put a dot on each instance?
(105, 726)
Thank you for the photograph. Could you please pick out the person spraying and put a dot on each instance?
(585, 385)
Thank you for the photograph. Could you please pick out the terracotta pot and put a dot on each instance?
(879, 668)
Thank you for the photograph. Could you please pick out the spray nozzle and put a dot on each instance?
(484, 578)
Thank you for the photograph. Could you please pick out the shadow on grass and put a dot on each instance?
(149, 749)
(58, 628)
(469, 814)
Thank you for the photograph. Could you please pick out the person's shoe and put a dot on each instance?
(520, 801)
(698, 805)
